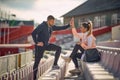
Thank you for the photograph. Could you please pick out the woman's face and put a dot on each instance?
(83, 30)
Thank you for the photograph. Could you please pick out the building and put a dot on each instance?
(14, 31)
(116, 32)
(100, 12)
(11, 27)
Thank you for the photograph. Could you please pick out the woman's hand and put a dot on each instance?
(83, 46)
(72, 23)
(78, 43)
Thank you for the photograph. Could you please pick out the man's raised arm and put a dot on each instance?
(55, 28)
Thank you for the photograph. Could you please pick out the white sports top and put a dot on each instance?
(90, 40)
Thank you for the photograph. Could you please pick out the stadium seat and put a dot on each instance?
(107, 69)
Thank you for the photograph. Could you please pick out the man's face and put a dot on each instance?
(51, 22)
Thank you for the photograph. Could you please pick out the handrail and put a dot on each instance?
(108, 48)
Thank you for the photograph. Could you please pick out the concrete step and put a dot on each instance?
(55, 74)
(69, 76)
(94, 71)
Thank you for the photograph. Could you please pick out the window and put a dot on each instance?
(80, 21)
(97, 21)
(118, 19)
(103, 20)
(114, 19)
(100, 21)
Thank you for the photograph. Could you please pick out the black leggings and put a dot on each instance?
(74, 55)
(39, 54)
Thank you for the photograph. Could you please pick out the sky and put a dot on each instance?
(38, 10)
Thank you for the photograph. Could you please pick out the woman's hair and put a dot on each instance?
(88, 26)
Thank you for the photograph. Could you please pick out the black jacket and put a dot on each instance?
(42, 33)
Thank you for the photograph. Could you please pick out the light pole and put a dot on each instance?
(0, 24)
(4, 26)
(8, 33)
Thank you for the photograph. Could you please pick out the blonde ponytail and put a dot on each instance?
(90, 28)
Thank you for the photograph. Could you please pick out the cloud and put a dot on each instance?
(55, 7)
(18, 4)
(40, 9)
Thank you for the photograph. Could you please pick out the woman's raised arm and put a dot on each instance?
(74, 31)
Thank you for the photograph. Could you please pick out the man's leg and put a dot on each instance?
(52, 47)
(38, 55)
(35, 67)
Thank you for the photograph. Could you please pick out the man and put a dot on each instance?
(41, 37)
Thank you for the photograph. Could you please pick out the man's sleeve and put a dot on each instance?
(36, 32)
(55, 28)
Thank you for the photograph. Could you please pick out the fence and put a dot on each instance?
(20, 66)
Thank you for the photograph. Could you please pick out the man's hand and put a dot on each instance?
(40, 44)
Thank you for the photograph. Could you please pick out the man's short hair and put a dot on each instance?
(50, 17)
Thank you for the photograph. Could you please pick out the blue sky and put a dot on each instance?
(38, 10)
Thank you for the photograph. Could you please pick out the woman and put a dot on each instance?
(87, 41)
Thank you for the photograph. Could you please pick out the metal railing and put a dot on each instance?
(13, 62)
(20, 66)
(109, 49)
(44, 67)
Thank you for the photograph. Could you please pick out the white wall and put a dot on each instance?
(116, 33)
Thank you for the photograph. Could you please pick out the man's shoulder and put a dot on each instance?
(43, 24)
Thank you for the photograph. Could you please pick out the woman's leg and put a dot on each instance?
(75, 50)
(74, 55)
(74, 59)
